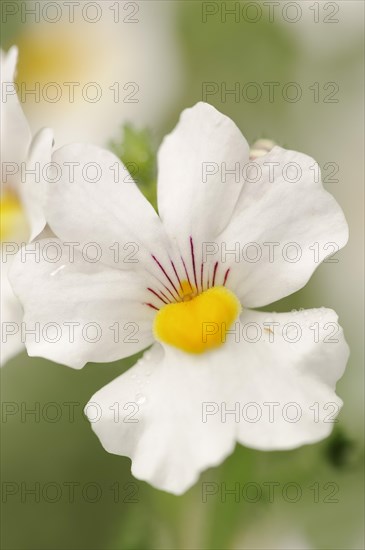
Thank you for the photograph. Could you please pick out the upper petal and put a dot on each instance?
(80, 311)
(284, 224)
(93, 198)
(197, 181)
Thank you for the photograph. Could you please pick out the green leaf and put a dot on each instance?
(137, 150)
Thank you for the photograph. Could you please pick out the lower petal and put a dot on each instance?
(159, 425)
(287, 378)
(178, 414)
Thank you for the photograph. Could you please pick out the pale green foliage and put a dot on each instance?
(137, 150)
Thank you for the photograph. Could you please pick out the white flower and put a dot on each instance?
(90, 77)
(168, 411)
(22, 216)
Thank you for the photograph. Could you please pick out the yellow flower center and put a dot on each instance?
(199, 322)
(13, 223)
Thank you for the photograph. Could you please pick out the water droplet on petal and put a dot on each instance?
(57, 270)
(140, 398)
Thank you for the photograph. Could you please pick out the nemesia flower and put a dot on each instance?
(274, 533)
(185, 284)
(99, 66)
(22, 217)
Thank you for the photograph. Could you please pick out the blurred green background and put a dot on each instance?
(110, 509)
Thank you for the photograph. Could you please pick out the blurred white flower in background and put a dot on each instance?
(318, 26)
(273, 533)
(172, 290)
(115, 62)
(21, 204)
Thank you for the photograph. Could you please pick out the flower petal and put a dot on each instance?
(33, 189)
(294, 366)
(81, 311)
(168, 443)
(281, 229)
(197, 182)
(180, 421)
(11, 316)
(15, 131)
(93, 198)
